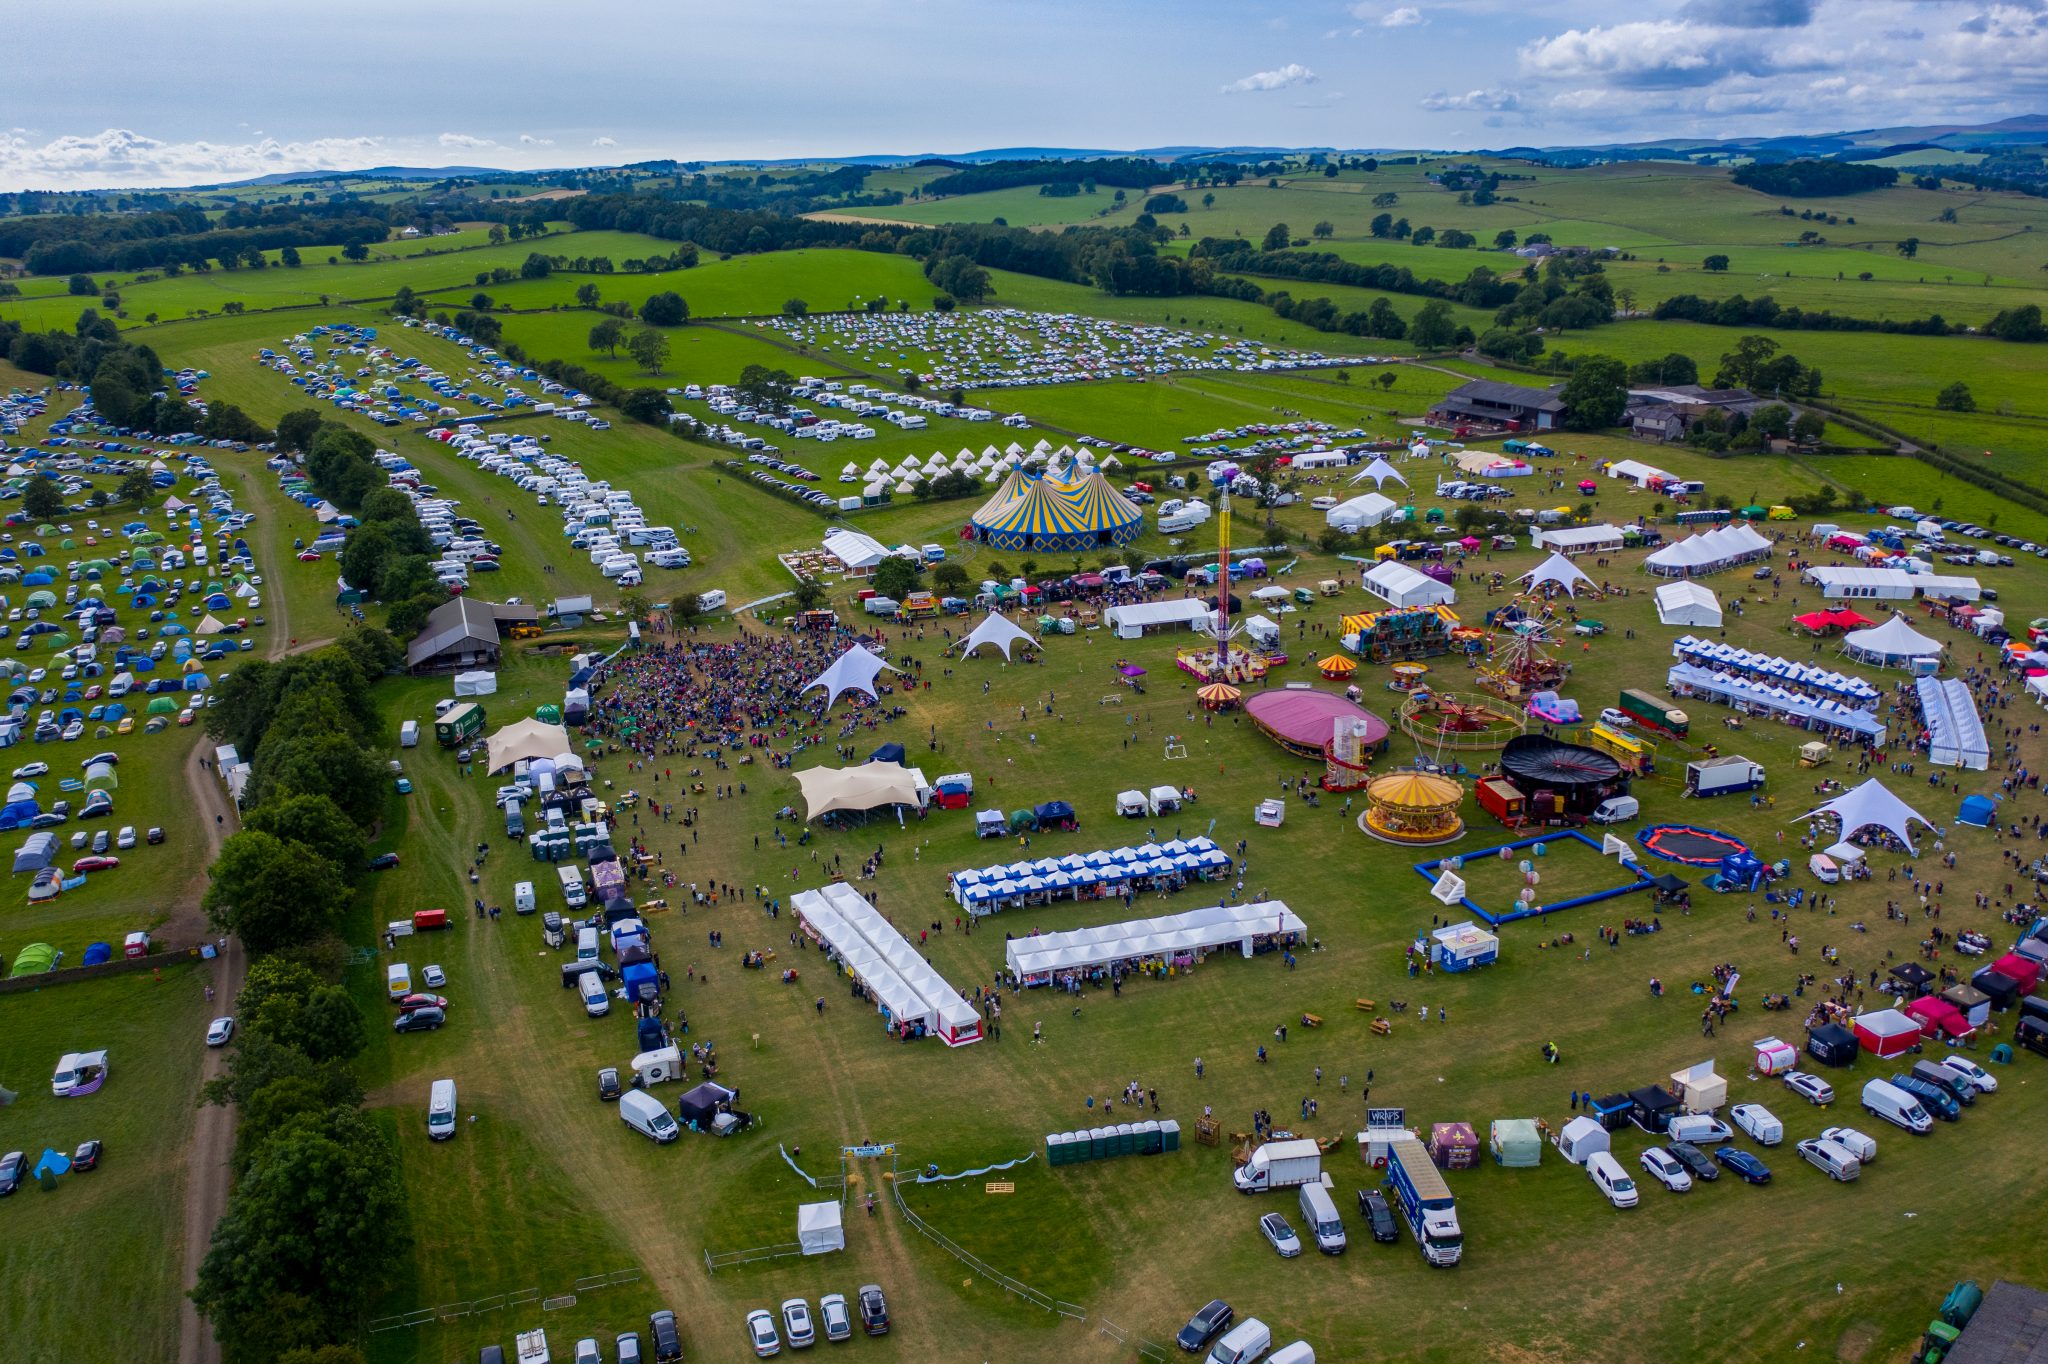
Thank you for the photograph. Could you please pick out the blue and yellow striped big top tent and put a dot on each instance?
(1058, 515)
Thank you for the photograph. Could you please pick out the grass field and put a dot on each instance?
(734, 287)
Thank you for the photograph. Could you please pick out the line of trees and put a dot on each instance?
(127, 379)
(1813, 179)
(316, 1225)
(1737, 311)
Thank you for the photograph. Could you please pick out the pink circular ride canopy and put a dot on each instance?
(1306, 719)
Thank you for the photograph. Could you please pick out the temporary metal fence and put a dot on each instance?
(495, 1302)
(717, 1260)
(1071, 1311)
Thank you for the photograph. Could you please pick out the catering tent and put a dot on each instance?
(1886, 1032)
(867, 787)
(818, 1229)
(1688, 603)
(1831, 1044)
(1894, 644)
(525, 740)
(1132, 619)
(1131, 804)
(1367, 509)
(998, 630)
(1560, 570)
(905, 989)
(1169, 936)
(1516, 1143)
(854, 670)
(1872, 804)
(1955, 731)
(1758, 697)
(476, 684)
(1713, 551)
(1399, 585)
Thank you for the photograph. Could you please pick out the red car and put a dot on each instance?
(307, 556)
(97, 862)
(408, 1003)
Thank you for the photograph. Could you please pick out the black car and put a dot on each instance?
(419, 1020)
(87, 1156)
(668, 1340)
(13, 1166)
(1204, 1326)
(608, 1083)
(1372, 1206)
(384, 861)
(874, 1310)
(1694, 1160)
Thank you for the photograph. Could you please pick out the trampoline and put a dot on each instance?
(1687, 843)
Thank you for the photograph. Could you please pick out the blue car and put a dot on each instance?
(1743, 1165)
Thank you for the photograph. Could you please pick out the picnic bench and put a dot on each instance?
(1382, 1027)
(1364, 1004)
(1311, 1020)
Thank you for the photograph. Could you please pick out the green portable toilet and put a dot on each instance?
(1099, 1143)
(1169, 1135)
(1148, 1137)
(1078, 1148)
(1071, 1151)
(1126, 1139)
(1056, 1148)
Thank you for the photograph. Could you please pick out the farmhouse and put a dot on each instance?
(1497, 404)
(1672, 412)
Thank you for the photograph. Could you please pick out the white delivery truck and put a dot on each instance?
(1280, 1165)
(1723, 776)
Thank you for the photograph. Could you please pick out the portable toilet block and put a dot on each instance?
(1169, 1135)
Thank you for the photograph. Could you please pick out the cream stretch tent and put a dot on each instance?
(998, 630)
(865, 787)
(1872, 804)
(902, 983)
(1198, 930)
(854, 670)
(526, 739)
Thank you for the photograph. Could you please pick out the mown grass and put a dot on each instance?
(736, 286)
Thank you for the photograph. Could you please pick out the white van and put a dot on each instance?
(596, 1002)
(441, 1110)
(644, 1114)
(1297, 1353)
(1700, 1129)
(1243, 1343)
(522, 898)
(586, 945)
(572, 887)
(1608, 1176)
(1886, 1100)
(1832, 1158)
(1759, 1122)
(1824, 869)
(398, 980)
(1615, 809)
(1320, 1212)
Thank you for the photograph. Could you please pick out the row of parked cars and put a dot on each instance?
(801, 1330)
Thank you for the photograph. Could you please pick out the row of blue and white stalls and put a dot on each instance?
(1835, 718)
(1955, 731)
(1089, 876)
(1713, 551)
(913, 999)
(1770, 669)
(1174, 942)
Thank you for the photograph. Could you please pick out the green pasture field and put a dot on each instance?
(736, 286)
(699, 353)
(1021, 207)
(117, 1229)
(524, 1054)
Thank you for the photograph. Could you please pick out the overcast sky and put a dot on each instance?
(185, 91)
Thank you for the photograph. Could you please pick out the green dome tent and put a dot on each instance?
(163, 705)
(35, 959)
(67, 543)
(59, 640)
(42, 599)
(1023, 820)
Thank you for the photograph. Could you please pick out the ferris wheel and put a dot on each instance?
(1524, 641)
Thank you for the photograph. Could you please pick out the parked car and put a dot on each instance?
(1666, 1169)
(761, 1334)
(13, 1166)
(874, 1310)
(833, 1316)
(154, 837)
(407, 1003)
(87, 1156)
(384, 861)
(1811, 1088)
(434, 977)
(608, 1084)
(220, 1032)
(1969, 1071)
(587, 1351)
(419, 1020)
(96, 862)
(1379, 1218)
(1616, 719)
(796, 1323)
(1282, 1236)
(1742, 1164)
(626, 1348)
(668, 1338)
(1205, 1326)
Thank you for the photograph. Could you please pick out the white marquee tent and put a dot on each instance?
(818, 1229)
(905, 987)
(1213, 926)
(1872, 804)
(1600, 539)
(1399, 585)
(1367, 509)
(998, 630)
(1713, 551)
(1894, 644)
(1687, 603)
(1560, 570)
(1954, 728)
(1132, 619)
(854, 670)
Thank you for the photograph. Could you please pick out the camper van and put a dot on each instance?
(586, 945)
(713, 600)
(1320, 1212)
(522, 898)
(644, 1114)
(572, 887)
(596, 1002)
(441, 1110)
(1608, 1176)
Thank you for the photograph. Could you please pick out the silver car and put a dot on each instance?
(1282, 1236)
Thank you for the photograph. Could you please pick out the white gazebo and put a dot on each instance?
(998, 630)
(1688, 603)
(1872, 805)
(854, 670)
(818, 1229)
(1894, 644)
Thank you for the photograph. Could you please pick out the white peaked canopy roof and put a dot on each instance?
(906, 486)
(883, 960)
(851, 468)
(998, 630)
(1379, 471)
(1012, 448)
(1197, 930)
(1041, 445)
(987, 450)
(1112, 462)
(854, 670)
(1893, 639)
(1560, 570)
(1721, 547)
(876, 488)
(1872, 804)
(878, 465)
(1688, 603)
(866, 787)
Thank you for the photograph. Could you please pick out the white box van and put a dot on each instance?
(441, 1110)
(1297, 1353)
(1243, 1343)
(1832, 1158)
(586, 945)
(1886, 1100)
(572, 887)
(1615, 809)
(522, 898)
(596, 1002)
(1320, 1212)
(644, 1114)
(398, 980)
(1608, 1176)
(409, 734)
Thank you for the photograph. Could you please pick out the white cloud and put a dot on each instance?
(120, 156)
(1494, 101)
(1405, 17)
(463, 141)
(529, 140)
(1294, 73)
(604, 142)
